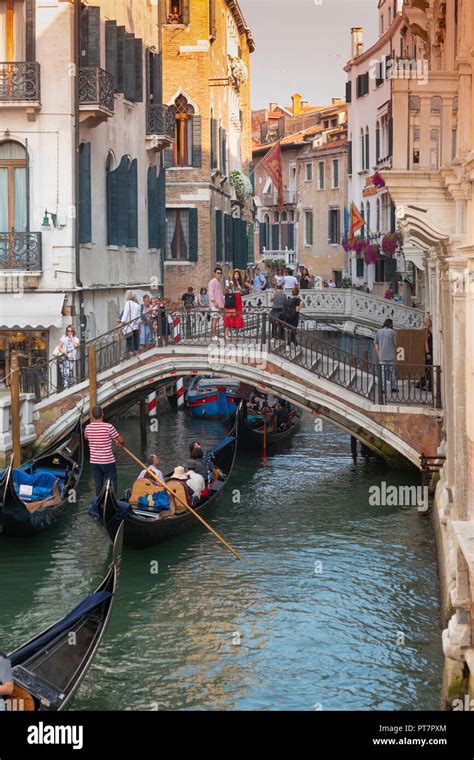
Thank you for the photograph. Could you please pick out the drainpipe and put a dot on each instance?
(77, 248)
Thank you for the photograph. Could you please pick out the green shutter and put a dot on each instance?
(243, 245)
(120, 58)
(197, 139)
(90, 36)
(132, 196)
(262, 236)
(291, 237)
(275, 237)
(161, 199)
(112, 208)
(193, 234)
(111, 49)
(129, 67)
(138, 90)
(236, 242)
(30, 22)
(156, 88)
(214, 145)
(85, 223)
(228, 237)
(185, 11)
(218, 235)
(168, 157)
(251, 243)
(152, 200)
(223, 148)
(122, 201)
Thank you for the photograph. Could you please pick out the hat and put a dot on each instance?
(190, 464)
(179, 474)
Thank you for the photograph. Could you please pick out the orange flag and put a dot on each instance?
(272, 165)
(356, 223)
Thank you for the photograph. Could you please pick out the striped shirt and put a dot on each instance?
(100, 436)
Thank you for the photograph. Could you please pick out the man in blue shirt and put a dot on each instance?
(259, 281)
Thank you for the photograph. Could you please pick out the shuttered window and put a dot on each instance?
(275, 237)
(333, 226)
(348, 92)
(349, 157)
(291, 237)
(138, 91)
(214, 144)
(223, 150)
(120, 58)
(262, 236)
(251, 243)
(193, 234)
(111, 50)
(197, 140)
(90, 36)
(228, 237)
(156, 208)
(85, 222)
(30, 21)
(218, 235)
(153, 78)
(122, 204)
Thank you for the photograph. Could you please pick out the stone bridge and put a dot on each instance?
(339, 387)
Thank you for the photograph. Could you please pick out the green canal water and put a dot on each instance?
(335, 605)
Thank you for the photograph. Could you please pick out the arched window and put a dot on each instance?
(284, 230)
(183, 147)
(85, 203)
(378, 214)
(13, 189)
(276, 217)
(122, 201)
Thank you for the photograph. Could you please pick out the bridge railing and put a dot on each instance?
(406, 384)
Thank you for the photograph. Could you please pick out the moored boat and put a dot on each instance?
(48, 669)
(211, 397)
(36, 494)
(143, 528)
(251, 428)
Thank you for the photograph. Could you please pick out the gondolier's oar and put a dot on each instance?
(170, 491)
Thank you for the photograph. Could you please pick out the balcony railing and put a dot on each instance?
(96, 89)
(289, 257)
(160, 123)
(20, 81)
(20, 251)
(271, 199)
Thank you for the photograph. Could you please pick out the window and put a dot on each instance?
(183, 147)
(333, 122)
(177, 12)
(122, 202)
(359, 267)
(181, 234)
(349, 156)
(362, 150)
(362, 85)
(335, 173)
(308, 228)
(367, 218)
(348, 92)
(12, 31)
(367, 149)
(85, 221)
(378, 214)
(334, 226)
(123, 53)
(275, 217)
(309, 172)
(219, 239)
(291, 215)
(13, 190)
(377, 143)
(321, 176)
(326, 124)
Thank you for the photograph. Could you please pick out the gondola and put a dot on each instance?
(36, 494)
(143, 529)
(251, 432)
(48, 670)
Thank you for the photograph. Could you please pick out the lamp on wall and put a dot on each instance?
(45, 225)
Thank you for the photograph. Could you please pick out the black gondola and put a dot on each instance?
(48, 670)
(36, 494)
(251, 430)
(143, 529)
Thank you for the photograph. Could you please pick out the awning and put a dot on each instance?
(34, 310)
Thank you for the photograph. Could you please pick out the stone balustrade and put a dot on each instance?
(27, 428)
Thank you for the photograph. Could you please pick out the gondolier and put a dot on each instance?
(99, 435)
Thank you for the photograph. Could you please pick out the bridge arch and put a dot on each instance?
(397, 437)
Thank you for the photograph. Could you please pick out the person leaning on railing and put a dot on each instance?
(386, 347)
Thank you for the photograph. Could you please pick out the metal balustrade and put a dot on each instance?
(20, 81)
(262, 335)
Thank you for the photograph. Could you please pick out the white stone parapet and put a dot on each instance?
(27, 429)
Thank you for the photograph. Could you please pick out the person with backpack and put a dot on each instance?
(291, 314)
(259, 281)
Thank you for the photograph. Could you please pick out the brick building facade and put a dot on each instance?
(206, 65)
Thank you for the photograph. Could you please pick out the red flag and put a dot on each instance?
(272, 165)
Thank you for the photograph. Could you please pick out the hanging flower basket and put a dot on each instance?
(242, 185)
(371, 253)
(390, 243)
(377, 180)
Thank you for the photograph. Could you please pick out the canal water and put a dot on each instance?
(334, 606)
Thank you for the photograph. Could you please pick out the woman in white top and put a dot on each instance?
(68, 345)
(131, 322)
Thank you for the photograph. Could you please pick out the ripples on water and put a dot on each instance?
(309, 634)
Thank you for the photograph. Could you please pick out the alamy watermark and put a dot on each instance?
(220, 353)
(399, 496)
(399, 68)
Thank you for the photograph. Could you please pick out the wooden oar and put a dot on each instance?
(167, 488)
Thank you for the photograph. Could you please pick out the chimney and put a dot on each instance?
(357, 41)
(296, 100)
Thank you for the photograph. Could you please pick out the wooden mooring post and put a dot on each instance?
(92, 379)
(15, 409)
(143, 423)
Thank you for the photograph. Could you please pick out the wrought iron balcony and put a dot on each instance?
(160, 125)
(20, 82)
(96, 92)
(20, 251)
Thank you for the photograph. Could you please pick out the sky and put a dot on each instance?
(303, 45)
